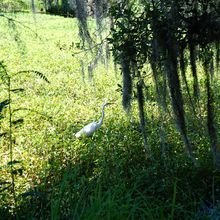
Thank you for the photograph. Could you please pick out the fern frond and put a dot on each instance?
(41, 75)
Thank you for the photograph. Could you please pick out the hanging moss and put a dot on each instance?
(127, 84)
(175, 92)
(159, 79)
(100, 11)
(94, 62)
(93, 43)
(182, 65)
(81, 14)
(192, 50)
(207, 58)
(217, 56)
(140, 98)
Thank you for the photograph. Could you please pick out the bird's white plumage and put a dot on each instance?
(89, 129)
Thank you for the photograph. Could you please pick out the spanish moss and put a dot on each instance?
(127, 84)
(217, 57)
(81, 13)
(211, 123)
(100, 11)
(140, 98)
(183, 74)
(159, 79)
(94, 62)
(175, 89)
(192, 50)
(82, 65)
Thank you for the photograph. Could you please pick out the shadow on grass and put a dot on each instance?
(108, 176)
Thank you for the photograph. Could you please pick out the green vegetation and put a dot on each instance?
(45, 173)
(14, 6)
(180, 40)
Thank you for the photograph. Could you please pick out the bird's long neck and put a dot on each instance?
(101, 119)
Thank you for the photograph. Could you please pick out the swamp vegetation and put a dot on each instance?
(157, 154)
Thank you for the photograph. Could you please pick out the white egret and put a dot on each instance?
(89, 129)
